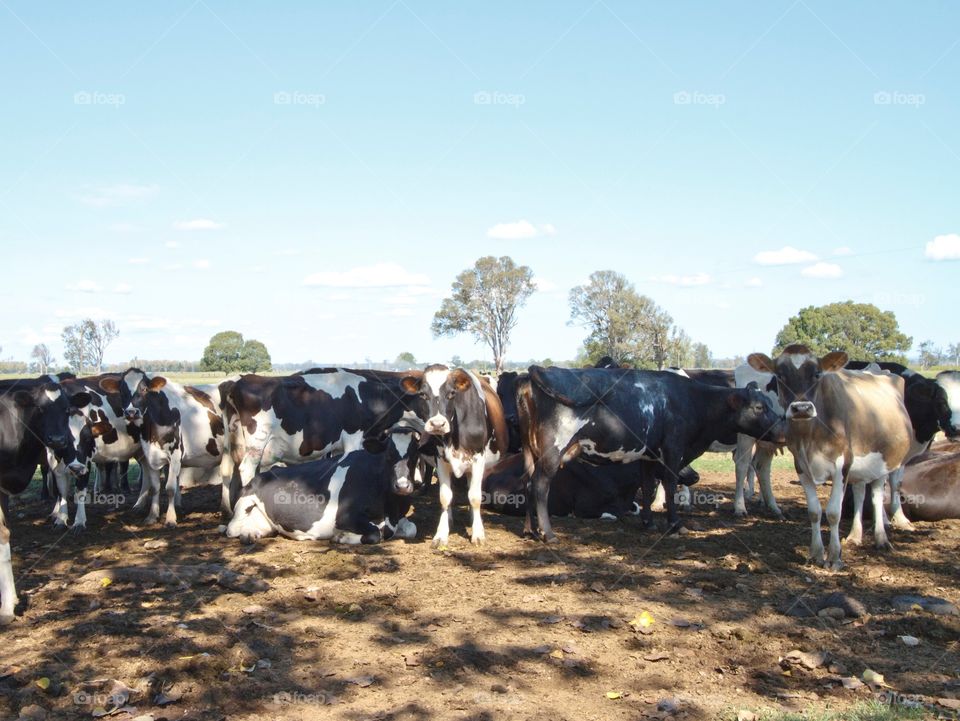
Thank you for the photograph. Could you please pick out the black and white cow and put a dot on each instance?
(360, 497)
(34, 423)
(466, 416)
(622, 416)
(180, 427)
(950, 382)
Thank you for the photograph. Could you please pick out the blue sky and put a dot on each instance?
(315, 174)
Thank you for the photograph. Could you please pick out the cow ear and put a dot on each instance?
(410, 384)
(23, 399)
(735, 401)
(461, 380)
(156, 383)
(110, 385)
(834, 361)
(100, 429)
(79, 400)
(760, 362)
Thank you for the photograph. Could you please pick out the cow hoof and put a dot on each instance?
(439, 542)
(740, 512)
(169, 524)
(550, 538)
(59, 522)
(902, 524)
(884, 546)
(477, 540)
(855, 540)
(150, 520)
(77, 529)
(835, 565)
(222, 528)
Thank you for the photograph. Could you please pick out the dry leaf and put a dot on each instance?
(43, 683)
(361, 681)
(872, 677)
(613, 695)
(656, 657)
(910, 640)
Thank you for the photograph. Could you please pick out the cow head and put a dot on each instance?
(46, 408)
(798, 371)
(85, 430)
(755, 414)
(929, 394)
(438, 392)
(949, 381)
(134, 387)
(403, 444)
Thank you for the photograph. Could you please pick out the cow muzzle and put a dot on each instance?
(801, 411)
(57, 443)
(402, 487)
(437, 426)
(77, 468)
(132, 414)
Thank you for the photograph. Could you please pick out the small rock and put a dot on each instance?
(312, 593)
(155, 544)
(499, 688)
(831, 612)
(355, 608)
(361, 681)
(910, 640)
(744, 715)
(851, 682)
(837, 668)
(32, 713)
(254, 609)
(939, 606)
(264, 663)
(668, 705)
(807, 660)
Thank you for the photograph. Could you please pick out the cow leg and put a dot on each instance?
(763, 462)
(659, 503)
(475, 495)
(123, 471)
(61, 515)
(814, 513)
(880, 539)
(173, 489)
(898, 518)
(226, 476)
(670, 488)
(80, 518)
(544, 472)
(442, 535)
(856, 526)
(8, 591)
(742, 462)
(648, 488)
(834, 506)
(150, 492)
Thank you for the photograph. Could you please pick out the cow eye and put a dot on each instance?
(450, 395)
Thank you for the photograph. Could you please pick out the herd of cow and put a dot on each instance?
(332, 453)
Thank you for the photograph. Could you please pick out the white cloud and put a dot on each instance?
(684, 280)
(753, 282)
(822, 270)
(843, 250)
(787, 255)
(138, 261)
(400, 299)
(543, 284)
(86, 286)
(201, 264)
(197, 224)
(172, 244)
(944, 247)
(520, 230)
(400, 312)
(123, 288)
(381, 275)
(112, 195)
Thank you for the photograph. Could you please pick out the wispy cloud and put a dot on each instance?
(944, 247)
(753, 282)
(122, 288)
(113, 195)
(85, 286)
(822, 270)
(683, 280)
(197, 224)
(520, 230)
(543, 284)
(787, 255)
(201, 264)
(843, 250)
(138, 261)
(381, 275)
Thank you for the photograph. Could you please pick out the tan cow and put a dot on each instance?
(842, 426)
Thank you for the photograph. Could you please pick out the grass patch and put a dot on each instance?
(864, 711)
(723, 463)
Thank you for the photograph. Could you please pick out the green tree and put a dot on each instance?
(228, 352)
(701, 355)
(628, 327)
(484, 303)
(953, 354)
(862, 330)
(406, 359)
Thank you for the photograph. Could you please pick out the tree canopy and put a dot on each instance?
(484, 303)
(228, 352)
(862, 330)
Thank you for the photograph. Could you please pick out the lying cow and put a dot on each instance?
(842, 426)
(362, 497)
(623, 416)
(930, 490)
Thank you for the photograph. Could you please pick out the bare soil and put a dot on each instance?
(514, 629)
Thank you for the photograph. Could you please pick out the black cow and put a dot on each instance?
(622, 416)
(34, 423)
(466, 416)
(361, 497)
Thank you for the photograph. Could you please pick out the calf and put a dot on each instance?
(34, 424)
(843, 426)
(180, 426)
(466, 416)
(361, 497)
(622, 416)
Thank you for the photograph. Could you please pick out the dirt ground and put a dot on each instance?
(514, 629)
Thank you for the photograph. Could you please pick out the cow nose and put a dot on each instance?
(403, 487)
(801, 410)
(438, 425)
(132, 414)
(76, 468)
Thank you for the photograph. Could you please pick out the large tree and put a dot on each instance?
(42, 355)
(628, 327)
(228, 352)
(862, 330)
(484, 303)
(86, 342)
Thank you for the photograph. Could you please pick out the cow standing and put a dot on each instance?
(843, 426)
(466, 416)
(623, 416)
(34, 423)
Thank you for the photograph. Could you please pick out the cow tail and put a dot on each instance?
(527, 412)
(496, 419)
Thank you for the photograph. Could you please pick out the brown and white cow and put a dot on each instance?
(842, 426)
(181, 427)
